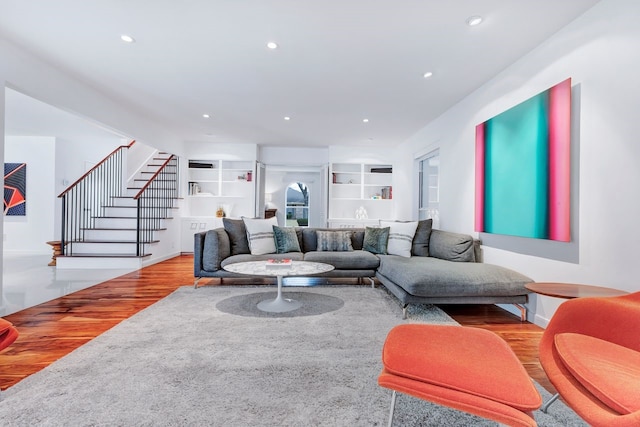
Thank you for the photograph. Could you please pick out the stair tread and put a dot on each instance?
(84, 255)
(126, 217)
(113, 241)
(117, 229)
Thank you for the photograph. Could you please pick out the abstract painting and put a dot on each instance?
(523, 159)
(15, 185)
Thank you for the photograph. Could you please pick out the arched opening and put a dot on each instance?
(297, 205)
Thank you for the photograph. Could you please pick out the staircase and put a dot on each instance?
(110, 224)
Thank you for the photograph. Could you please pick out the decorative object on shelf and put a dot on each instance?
(227, 207)
(220, 213)
(386, 192)
(361, 213)
(249, 176)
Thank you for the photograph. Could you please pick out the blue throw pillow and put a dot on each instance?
(286, 239)
(375, 240)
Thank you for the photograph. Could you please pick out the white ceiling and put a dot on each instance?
(338, 61)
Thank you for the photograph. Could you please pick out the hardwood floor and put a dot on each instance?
(53, 329)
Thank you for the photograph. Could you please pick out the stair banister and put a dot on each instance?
(154, 200)
(86, 196)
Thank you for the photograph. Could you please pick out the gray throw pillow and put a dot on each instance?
(286, 239)
(451, 246)
(237, 236)
(420, 245)
(337, 241)
(216, 248)
(375, 240)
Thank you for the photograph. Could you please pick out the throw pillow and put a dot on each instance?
(286, 239)
(337, 241)
(375, 240)
(260, 235)
(400, 237)
(237, 235)
(420, 245)
(451, 246)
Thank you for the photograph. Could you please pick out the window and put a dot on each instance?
(297, 206)
(429, 187)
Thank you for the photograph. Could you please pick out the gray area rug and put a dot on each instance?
(182, 362)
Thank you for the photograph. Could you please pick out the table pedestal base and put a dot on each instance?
(280, 304)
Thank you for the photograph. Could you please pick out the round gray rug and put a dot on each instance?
(312, 304)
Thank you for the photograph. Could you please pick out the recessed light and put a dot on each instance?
(472, 21)
(365, 120)
(287, 118)
(206, 116)
(272, 45)
(127, 39)
(427, 74)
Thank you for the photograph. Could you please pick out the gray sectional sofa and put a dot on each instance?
(444, 267)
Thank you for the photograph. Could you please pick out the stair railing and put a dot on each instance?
(84, 200)
(154, 202)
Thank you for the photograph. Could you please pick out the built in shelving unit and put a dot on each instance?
(355, 187)
(213, 185)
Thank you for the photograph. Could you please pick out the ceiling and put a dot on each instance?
(338, 62)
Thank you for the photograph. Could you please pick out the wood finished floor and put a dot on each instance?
(53, 329)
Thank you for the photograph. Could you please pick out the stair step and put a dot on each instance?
(167, 173)
(113, 241)
(102, 255)
(118, 229)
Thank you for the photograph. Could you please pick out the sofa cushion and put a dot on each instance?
(260, 235)
(353, 260)
(376, 239)
(336, 241)
(216, 248)
(420, 244)
(286, 239)
(401, 236)
(609, 371)
(433, 277)
(237, 235)
(451, 246)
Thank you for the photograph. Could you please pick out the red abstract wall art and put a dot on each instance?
(15, 186)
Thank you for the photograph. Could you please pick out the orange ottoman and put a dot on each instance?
(469, 369)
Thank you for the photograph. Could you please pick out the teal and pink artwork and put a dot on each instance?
(523, 159)
(15, 183)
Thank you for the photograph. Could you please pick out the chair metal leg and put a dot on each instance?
(545, 407)
(195, 284)
(404, 311)
(393, 407)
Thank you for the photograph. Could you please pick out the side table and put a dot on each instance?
(571, 290)
(56, 245)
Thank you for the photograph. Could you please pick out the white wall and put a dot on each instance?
(599, 51)
(30, 233)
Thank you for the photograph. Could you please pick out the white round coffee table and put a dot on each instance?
(260, 268)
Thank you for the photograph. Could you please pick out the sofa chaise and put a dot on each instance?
(443, 267)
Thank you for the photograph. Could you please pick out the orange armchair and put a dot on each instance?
(8, 334)
(591, 354)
